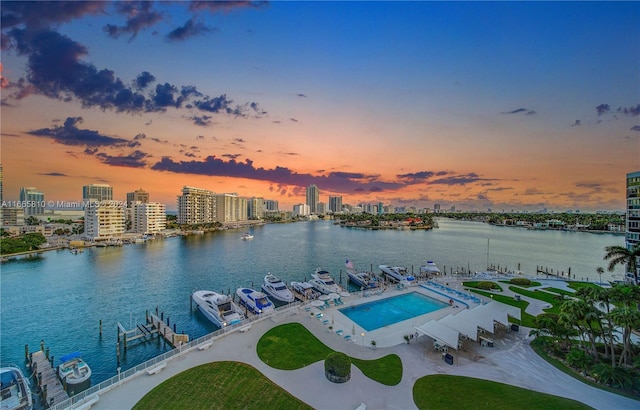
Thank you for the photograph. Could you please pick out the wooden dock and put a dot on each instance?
(49, 385)
(164, 330)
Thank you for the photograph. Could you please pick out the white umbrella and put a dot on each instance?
(324, 297)
(333, 296)
(317, 303)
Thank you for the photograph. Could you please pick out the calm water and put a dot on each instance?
(61, 297)
(385, 312)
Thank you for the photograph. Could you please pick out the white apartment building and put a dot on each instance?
(301, 210)
(148, 218)
(104, 220)
(231, 208)
(256, 208)
(196, 206)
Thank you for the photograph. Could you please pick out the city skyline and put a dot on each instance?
(475, 105)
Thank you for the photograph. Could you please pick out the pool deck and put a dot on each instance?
(510, 361)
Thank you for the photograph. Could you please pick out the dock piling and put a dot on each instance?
(26, 352)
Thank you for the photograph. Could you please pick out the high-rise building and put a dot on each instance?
(335, 204)
(12, 216)
(148, 218)
(231, 208)
(301, 210)
(0, 183)
(271, 205)
(196, 206)
(436, 208)
(104, 220)
(32, 201)
(313, 197)
(137, 196)
(256, 208)
(97, 193)
(321, 208)
(632, 236)
(380, 208)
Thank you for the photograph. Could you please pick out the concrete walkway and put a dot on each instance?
(511, 361)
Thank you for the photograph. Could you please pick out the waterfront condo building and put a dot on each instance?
(271, 205)
(632, 237)
(137, 196)
(97, 193)
(313, 197)
(12, 216)
(321, 208)
(231, 208)
(32, 201)
(196, 206)
(148, 218)
(104, 220)
(335, 204)
(301, 210)
(256, 208)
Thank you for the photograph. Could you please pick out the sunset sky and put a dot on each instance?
(480, 105)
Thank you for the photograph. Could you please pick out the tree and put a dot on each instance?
(619, 255)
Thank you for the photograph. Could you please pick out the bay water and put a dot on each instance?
(61, 297)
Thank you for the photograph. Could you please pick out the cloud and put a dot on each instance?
(293, 119)
(232, 156)
(140, 16)
(53, 174)
(69, 134)
(520, 111)
(301, 95)
(133, 160)
(603, 109)
(201, 120)
(143, 80)
(416, 177)
(630, 111)
(215, 6)
(577, 123)
(460, 179)
(635, 128)
(191, 28)
(41, 14)
(532, 191)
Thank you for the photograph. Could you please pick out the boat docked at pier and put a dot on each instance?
(217, 307)
(74, 373)
(276, 288)
(430, 269)
(15, 391)
(305, 290)
(255, 301)
(363, 279)
(322, 281)
(398, 274)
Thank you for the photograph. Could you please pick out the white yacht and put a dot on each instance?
(430, 269)
(398, 274)
(246, 236)
(275, 288)
(74, 372)
(255, 301)
(321, 280)
(305, 289)
(16, 394)
(363, 279)
(218, 308)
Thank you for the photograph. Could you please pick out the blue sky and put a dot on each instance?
(503, 105)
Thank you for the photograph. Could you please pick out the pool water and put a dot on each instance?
(385, 312)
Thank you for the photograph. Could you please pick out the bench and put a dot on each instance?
(245, 328)
(204, 346)
(156, 369)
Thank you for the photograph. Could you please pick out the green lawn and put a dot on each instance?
(458, 392)
(303, 348)
(527, 319)
(533, 283)
(474, 284)
(219, 385)
(543, 296)
(578, 285)
(561, 292)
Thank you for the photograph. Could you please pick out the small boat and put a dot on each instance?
(398, 274)
(16, 394)
(430, 269)
(363, 279)
(246, 236)
(255, 301)
(218, 308)
(305, 289)
(74, 372)
(275, 288)
(321, 280)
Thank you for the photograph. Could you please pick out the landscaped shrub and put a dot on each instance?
(578, 359)
(486, 285)
(337, 367)
(521, 281)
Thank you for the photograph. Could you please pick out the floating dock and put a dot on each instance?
(49, 385)
(164, 330)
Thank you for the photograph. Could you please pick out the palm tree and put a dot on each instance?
(619, 255)
(627, 318)
(600, 271)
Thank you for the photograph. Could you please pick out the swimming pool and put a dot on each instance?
(385, 312)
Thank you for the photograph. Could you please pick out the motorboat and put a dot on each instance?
(275, 288)
(322, 281)
(363, 279)
(16, 394)
(398, 274)
(305, 289)
(74, 373)
(255, 301)
(218, 308)
(430, 269)
(246, 236)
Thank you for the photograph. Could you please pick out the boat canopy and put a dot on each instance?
(70, 356)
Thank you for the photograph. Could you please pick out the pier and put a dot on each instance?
(540, 270)
(48, 385)
(154, 325)
(164, 330)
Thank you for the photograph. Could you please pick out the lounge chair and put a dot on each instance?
(339, 332)
(325, 322)
(347, 337)
(319, 315)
